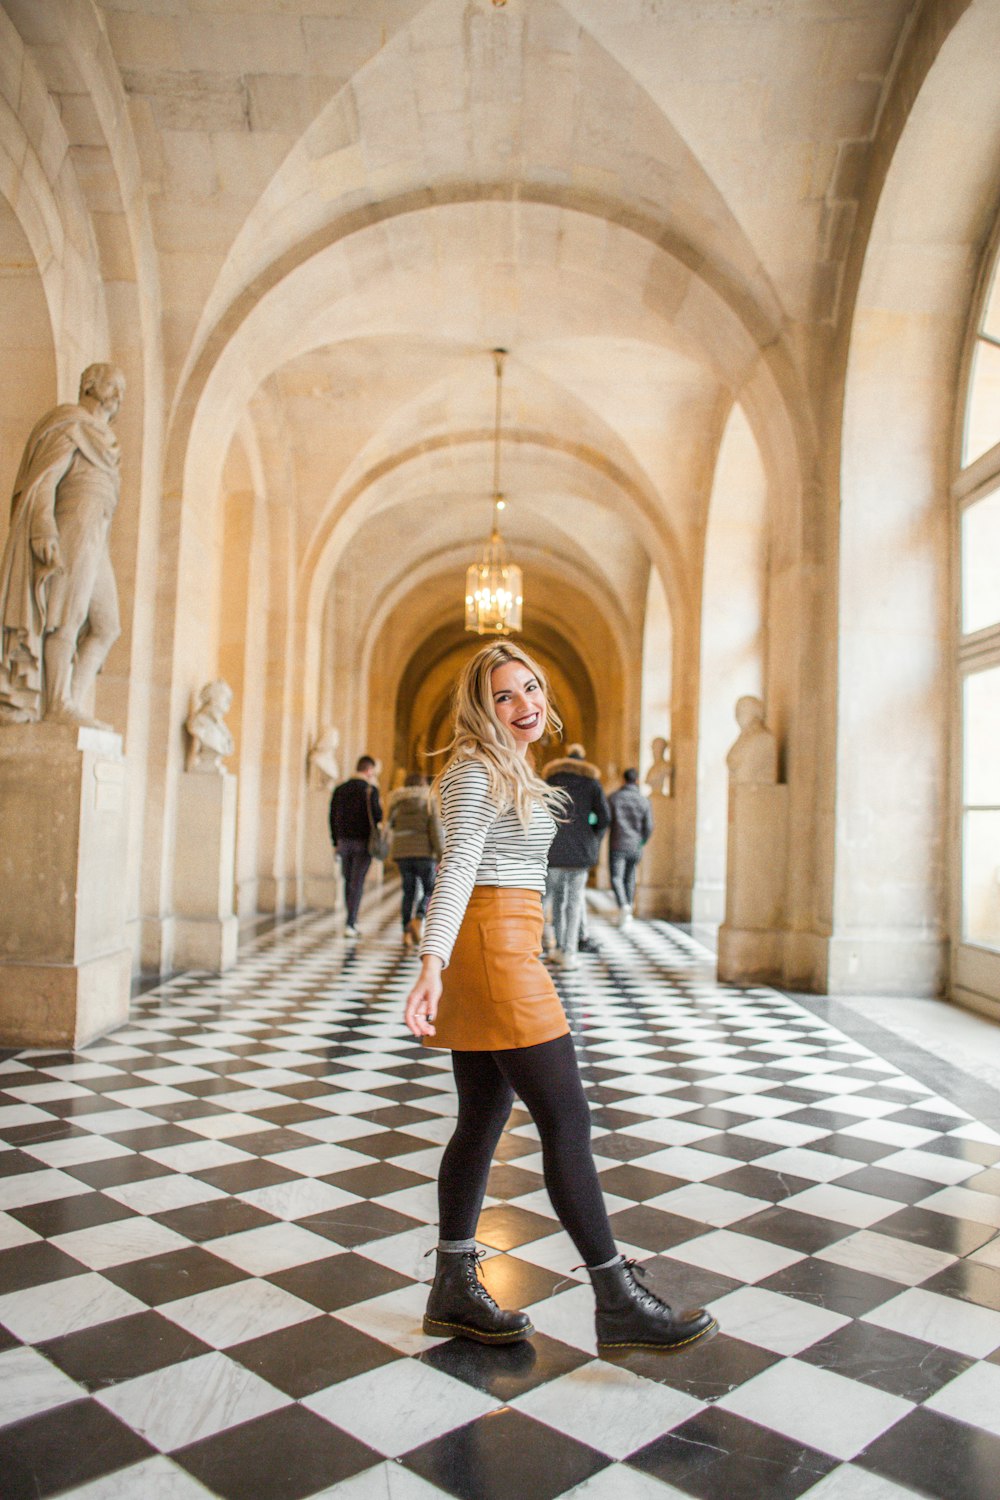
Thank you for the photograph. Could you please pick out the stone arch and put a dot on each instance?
(907, 331)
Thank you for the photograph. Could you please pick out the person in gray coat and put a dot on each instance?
(416, 841)
(631, 826)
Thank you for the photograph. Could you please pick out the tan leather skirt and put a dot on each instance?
(497, 993)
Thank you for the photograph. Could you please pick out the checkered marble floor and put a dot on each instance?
(213, 1228)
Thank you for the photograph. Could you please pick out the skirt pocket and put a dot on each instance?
(511, 946)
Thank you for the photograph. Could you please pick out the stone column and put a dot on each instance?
(323, 885)
(658, 892)
(206, 928)
(65, 964)
(752, 937)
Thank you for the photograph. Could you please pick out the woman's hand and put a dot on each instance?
(422, 1002)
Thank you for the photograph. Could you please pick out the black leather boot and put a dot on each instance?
(459, 1306)
(630, 1316)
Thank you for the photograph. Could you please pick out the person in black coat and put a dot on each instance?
(575, 848)
(355, 810)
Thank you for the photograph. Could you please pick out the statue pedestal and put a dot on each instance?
(322, 885)
(205, 928)
(65, 963)
(751, 939)
(659, 892)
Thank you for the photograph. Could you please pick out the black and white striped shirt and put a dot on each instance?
(482, 847)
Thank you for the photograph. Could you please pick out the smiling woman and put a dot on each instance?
(484, 994)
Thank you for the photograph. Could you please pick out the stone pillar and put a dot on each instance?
(323, 885)
(659, 892)
(205, 928)
(751, 939)
(65, 963)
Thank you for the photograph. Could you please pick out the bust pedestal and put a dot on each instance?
(659, 892)
(751, 939)
(322, 886)
(65, 964)
(205, 928)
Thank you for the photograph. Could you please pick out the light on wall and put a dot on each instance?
(494, 587)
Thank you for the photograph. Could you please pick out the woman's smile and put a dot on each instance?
(519, 702)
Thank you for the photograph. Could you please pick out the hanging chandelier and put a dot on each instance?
(494, 588)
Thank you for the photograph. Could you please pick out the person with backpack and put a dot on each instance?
(631, 827)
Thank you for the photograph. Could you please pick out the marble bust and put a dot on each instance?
(211, 740)
(658, 777)
(58, 601)
(324, 765)
(753, 758)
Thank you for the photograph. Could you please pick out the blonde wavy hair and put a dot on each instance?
(479, 734)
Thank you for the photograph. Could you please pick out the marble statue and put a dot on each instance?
(206, 724)
(753, 758)
(324, 765)
(658, 776)
(58, 601)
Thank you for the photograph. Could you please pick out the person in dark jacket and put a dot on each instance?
(416, 843)
(355, 810)
(631, 826)
(575, 847)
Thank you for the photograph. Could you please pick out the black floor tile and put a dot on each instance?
(761, 1182)
(65, 1448)
(507, 1371)
(178, 1273)
(518, 1283)
(506, 1226)
(838, 1288)
(339, 1281)
(884, 1183)
(507, 1181)
(718, 1456)
(969, 1282)
(709, 1369)
(214, 1219)
(287, 1455)
(35, 1264)
(891, 1361)
(117, 1170)
(307, 1357)
(922, 1226)
(738, 1147)
(111, 1352)
(638, 1182)
(376, 1180)
(653, 1229)
(506, 1456)
(246, 1176)
(936, 1456)
(786, 1226)
(357, 1224)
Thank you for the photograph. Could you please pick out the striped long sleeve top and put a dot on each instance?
(483, 846)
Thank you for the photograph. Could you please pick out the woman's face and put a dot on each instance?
(519, 702)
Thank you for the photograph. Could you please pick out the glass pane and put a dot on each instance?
(981, 781)
(982, 426)
(991, 317)
(981, 879)
(981, 564)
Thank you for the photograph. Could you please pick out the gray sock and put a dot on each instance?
(456, 1247)
(615, 1260)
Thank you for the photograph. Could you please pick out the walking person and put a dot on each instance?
(575, 848)
(483, 993)
(355, 810)
(631, 828)
(416, 840)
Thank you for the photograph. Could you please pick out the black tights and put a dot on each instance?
(548, 1081)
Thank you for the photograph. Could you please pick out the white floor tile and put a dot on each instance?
(299, 1198)
(29, 1384)
(817, 1166)
(79, 1148)
(388, 1481)
(156, 1479)
(400, 1405)
(182, 1403)
(965, 1203)
(940, 1320)
(737, 1255)
(274, 1247)
(158, 1195)
(782, 1324)
(396, 1318)
(850, 1483)
(569, 1317)
(119, 1242)
(972, 1397)
(233, 1314)
(817, 1407)
(884, 1255)
(827, 1201)
(26, 1188)
(608, 1408)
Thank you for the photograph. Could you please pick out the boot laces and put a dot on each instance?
(647, 1297)
(476, 1275)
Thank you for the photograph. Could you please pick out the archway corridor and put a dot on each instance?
(214, 1227)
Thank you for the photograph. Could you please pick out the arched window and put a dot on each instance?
(976, 495)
